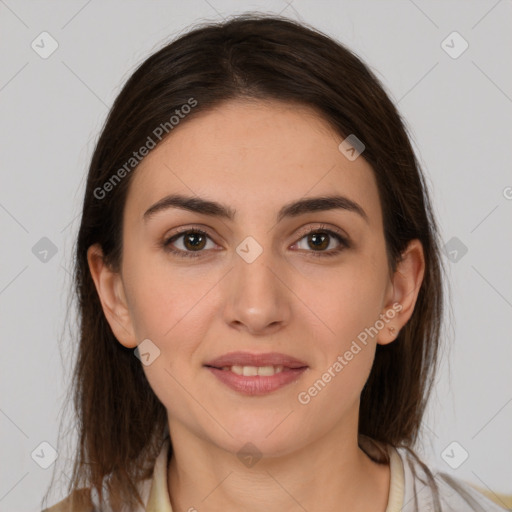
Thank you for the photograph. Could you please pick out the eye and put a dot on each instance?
(193, 242)
(322, 238)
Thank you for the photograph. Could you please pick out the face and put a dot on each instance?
(264, 278)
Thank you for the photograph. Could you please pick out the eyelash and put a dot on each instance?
(344, 243)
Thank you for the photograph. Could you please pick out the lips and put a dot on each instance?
(249, 359)
(256, 374)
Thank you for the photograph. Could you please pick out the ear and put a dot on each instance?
(109, 286)
(403, 291)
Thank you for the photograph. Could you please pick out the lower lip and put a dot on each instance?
(257, 384)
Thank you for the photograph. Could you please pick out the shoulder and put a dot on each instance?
(452, 494)
(85, 500)
(457, 492)
(78, 501)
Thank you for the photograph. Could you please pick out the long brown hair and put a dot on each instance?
(120, 420)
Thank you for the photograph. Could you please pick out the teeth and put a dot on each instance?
(250, 371)
(268, 370)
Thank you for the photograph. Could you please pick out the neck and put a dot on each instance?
(331, 473)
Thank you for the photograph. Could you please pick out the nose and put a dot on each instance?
(258, 300)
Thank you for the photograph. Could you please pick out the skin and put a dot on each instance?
(256, 157)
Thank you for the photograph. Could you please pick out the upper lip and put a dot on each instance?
(249, 359)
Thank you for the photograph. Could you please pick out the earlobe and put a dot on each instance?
(405, 287)
(109, 287)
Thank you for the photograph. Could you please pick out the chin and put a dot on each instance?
(273, 437)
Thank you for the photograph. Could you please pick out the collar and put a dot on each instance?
(396, 483)
(158, 500)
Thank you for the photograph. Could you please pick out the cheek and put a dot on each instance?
(346, 300)
(173, 310)
(344, 355)
(349, 303)
(162, 297)
(332, 393)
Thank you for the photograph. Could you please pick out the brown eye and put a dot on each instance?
(192, 242)
(319, 240)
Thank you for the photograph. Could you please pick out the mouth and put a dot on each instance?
(256, 374)
(252, 371)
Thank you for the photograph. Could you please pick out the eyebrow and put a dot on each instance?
(293, 209)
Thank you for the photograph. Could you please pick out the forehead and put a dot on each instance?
(255, 156)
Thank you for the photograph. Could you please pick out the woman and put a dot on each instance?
(259, 285)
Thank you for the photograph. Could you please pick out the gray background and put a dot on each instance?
(459, 113)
